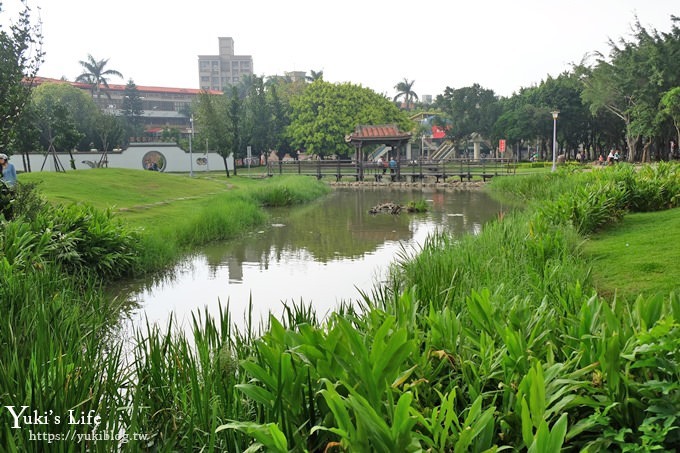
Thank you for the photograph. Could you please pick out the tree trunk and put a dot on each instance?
(26, 161)
(630, 142)
(226, 166)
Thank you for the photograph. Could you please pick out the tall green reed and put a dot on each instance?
(185, 385)
(57, 360)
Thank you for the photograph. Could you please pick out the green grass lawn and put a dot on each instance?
(121, 188)
(143, 198)
(639, 255)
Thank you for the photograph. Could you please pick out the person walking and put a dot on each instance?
(9, 173)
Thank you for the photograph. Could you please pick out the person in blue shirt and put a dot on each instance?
(393, 164)
(9, 173)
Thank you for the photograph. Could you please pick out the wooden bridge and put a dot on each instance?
(404, 170)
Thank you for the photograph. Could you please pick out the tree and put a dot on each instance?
(109, 129)
(131, 108)
(471, 109)
(314, 75)
(245, 85)
(279, 121)
(234, 123)
(630, 82)
(275, 80)
(564, 93)
(670, 107)
(257, 120)
(405, 90)
(20, 57)
(325, 113)
(63, 114)
(96, 75)
(217, 123)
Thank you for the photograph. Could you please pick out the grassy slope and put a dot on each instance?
(640, 255)
(142, 198)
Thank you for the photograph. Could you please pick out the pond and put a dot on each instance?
(321, 254)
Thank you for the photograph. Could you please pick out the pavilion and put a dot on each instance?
(385, 134)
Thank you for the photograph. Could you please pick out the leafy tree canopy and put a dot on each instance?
(631, 80)
(325, 113)
(670, 104)
(65, 115)
(470, 109)
(20, 57)
(131, 108)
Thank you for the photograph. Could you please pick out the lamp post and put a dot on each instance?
(191, 156)
(554, 113)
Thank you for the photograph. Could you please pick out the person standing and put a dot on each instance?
(9, 173)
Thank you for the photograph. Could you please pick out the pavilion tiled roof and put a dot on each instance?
(382, 131)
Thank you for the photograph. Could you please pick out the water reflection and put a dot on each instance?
(322, 253)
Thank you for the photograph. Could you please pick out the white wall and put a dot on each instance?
(169, 156)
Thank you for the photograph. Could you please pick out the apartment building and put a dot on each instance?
(218, 71)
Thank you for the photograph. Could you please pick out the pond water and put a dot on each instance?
(319, 254)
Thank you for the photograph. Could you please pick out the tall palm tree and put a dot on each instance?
(314, 75)
(96, 75)
(276, 80)
(405, 90)
(245, 85)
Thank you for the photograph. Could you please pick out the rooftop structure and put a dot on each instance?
(218, 71)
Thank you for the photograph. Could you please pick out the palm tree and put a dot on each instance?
(314, 75)
(405, 90)
(245, 85)
(95, 75)
(276, 80)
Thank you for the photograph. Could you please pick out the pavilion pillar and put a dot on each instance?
(360, 163)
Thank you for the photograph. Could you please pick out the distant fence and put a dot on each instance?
(404, 170)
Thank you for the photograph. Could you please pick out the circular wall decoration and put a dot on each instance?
(154, 160)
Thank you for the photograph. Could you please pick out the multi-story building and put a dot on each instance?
(218, 71)
(161, 107)
(296, 76)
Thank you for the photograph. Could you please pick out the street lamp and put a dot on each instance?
(554, 113)
(191, 157)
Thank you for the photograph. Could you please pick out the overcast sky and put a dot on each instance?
(501, 44)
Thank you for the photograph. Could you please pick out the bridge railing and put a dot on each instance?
(462, 168)
(418, 169)
(318, 168)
